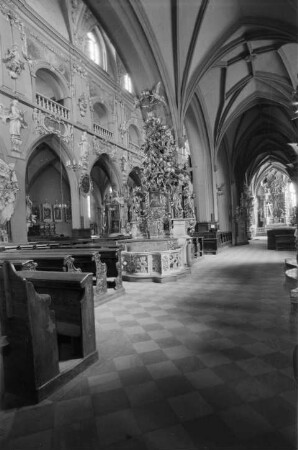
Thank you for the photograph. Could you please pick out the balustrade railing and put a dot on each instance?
(52, 107)
(103, 132)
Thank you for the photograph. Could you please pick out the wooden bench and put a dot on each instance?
(53, 260)
(285, 242)
(85, 259)
(37, 307)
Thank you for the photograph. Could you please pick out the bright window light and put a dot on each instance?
(89, 207)
(93, 48)
(127, 84)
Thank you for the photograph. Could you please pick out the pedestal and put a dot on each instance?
(179, 231)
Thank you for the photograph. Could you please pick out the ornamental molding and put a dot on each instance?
(78, 67)
(48, 124)
(48, 46)
(83, 103)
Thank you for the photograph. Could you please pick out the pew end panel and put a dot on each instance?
(31, 358)
(73, 303)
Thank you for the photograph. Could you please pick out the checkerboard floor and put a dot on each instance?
(202, 363)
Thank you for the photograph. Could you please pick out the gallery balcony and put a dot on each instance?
(52, 107)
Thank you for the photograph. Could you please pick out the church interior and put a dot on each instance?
(148, 224)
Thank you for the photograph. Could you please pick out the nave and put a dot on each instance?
(202, 363)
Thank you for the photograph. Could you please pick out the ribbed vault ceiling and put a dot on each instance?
(236, 59)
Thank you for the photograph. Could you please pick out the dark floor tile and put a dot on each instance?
(189, 364)
(210, 432)
(152, 326)
(140, 337)
(229, 372)
(128, 323)
(130, 443)
(170, 438)
(270, 441)
(154, 415)
(73, 410)
(116, 427)
(76, 436)
(135, 375)
(35, 441)
(277, 411)
(277, 382)
(167, 342)
(33, 420)
(236, 353)
(173, 386)
(277, 360)
(221, 396)
(155, 356)
(243, 339)
(110, 401)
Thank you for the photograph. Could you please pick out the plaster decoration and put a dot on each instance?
(79, 40)
(101, 146)
(47, 124)
(123, 129)
(83, 103)
(6, 9)
(141, 263)
(77, 68)
(74, 10)
(8, 191)
(84, 151)
(85, 184)
(13, 62)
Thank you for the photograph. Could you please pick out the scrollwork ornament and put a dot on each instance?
(85, 184)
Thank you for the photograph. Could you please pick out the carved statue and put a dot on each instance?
(84, 150)
(8, 191)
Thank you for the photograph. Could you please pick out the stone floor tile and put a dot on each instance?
(116, 427)
(163, 369)
(110, 401)
(190, 406)
(152, 416)
(143, 393)
(245, 422)
(170, 438)
(134, 376)
(254, 366)
(73, 410)
(33, 420)
(174, 385)
(127, 362)
(203, 378)
(76, 436)
(36, 441)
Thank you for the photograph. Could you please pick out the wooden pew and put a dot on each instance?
(285, 242)
(49, 260)
(32, 365)
(85, 259)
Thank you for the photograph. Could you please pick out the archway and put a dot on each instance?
(48, 198)
(105, 205)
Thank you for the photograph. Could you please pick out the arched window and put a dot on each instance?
(127, 84)
(96, 48)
